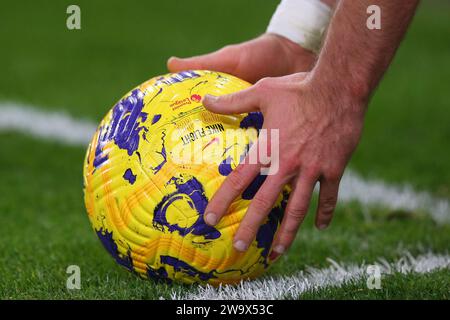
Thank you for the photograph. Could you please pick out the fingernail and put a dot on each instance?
(273, 255)
(276, 252)
(211, 218)
(279, 249)
(240, 245)
(171, 60)
(210, 98)
(323, 226)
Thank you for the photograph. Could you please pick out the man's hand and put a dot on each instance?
(318, 131)
(266, 56)
(319, 117)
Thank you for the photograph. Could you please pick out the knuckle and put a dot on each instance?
(327, 205)
(230, 99)
(333, 175)
(286, 167)
(240, 169)
(311, 172)
(290, 230)
(261, 203)
(235, 181)
(297, 214)
(228, 48)
(246, 231)
(264, 83)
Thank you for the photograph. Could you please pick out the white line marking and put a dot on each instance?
(55, 126)
(374, 192)
(65, 129)
(292, 287)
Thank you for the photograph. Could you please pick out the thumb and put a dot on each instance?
(240, 102)
(216, 61)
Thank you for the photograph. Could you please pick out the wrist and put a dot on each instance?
(350, 85)
(340, 95)
(298, 58)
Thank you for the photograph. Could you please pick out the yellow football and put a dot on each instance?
(156, 159)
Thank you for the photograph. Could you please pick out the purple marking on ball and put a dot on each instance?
(100, 157)
(252, 120)
(156, 118)
(125, 126)
(177, 77)
(266, 232)
(191, 191)
(225, 167)
(110, 245)
(162, 153)
(183, 267)
(253, 187)
(159, 274)
(129, 176)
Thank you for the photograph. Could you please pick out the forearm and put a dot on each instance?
(354, 58)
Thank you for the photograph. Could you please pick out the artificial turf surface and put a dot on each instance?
(43, 222)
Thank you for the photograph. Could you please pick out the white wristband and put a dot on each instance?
(301, 21)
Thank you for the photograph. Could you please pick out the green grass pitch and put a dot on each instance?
(43, 224)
